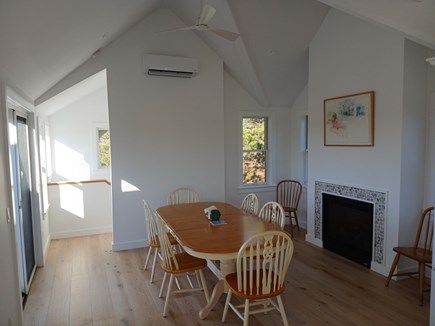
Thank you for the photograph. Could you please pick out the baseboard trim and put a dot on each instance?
(379, 268)
(311, 239)
(119, 246)
(80, 233)
(46, 248)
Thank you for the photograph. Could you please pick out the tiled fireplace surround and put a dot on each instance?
(377, 198)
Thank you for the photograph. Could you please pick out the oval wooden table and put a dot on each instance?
(218, 244)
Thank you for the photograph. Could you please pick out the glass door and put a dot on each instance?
(19, 142)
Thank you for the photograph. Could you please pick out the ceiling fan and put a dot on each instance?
(207, 13)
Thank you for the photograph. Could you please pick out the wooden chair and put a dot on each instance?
(183, 195)
(250, 204)
(273, 212)
(288, 195)
(261, 267)
(153, 240)
(421, 251)
(176, 264)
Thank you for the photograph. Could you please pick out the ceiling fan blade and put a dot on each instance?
(179, 29)
(187, 28)
(206, 15)
(230, 36)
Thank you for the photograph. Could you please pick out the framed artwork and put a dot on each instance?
(349, 120)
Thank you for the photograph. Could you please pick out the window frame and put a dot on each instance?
(270, 153)
(95, 151)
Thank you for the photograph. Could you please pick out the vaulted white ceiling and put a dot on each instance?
(42, 41)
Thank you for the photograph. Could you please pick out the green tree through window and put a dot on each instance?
(103, 148)
(255, 150)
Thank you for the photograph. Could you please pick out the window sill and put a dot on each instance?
(256, 188)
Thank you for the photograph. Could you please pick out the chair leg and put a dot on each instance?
(168, 295)
(204, 285)
(393, 267)
(163, 285)
(150, 249)
(421, 272)
(282, 311)
(291, 224)
(177, 283)
(296, 220)
(227, 304)
(197, 277)
(154, 264)
(189, 280)
(246, 313)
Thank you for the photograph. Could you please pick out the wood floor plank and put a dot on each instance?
(85, 283)
(59, 304)
(102, 307)
(80, 302)
(37, 303)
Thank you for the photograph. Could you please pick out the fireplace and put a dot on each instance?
(348, 227)
(377, 197)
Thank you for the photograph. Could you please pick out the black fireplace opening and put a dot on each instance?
(348, 228)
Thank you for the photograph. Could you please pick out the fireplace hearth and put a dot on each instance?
(348, 228)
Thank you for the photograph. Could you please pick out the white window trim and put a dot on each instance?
(271, 158)
(95, 126)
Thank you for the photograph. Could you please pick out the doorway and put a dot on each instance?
(22, 196)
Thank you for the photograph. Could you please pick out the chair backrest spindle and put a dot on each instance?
(183, 195)
(288, 193)
(151, 226)
(250, 204)
(273, 212)
(263, 261)
(169, 261)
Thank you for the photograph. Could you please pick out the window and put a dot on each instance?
(255, 150)
(103, 138)
(100, 148)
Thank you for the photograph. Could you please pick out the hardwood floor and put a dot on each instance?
(85, 283)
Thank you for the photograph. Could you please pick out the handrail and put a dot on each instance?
(62, 183)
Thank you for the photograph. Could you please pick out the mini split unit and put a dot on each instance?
(164, 65)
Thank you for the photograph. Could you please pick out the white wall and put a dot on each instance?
(413, 141)
(237, 100)
(297, 139)
(45, 228)
(349, 56)
(10, 294)
(165, 132)
(79, 209)
(72, 135)
(429, 194)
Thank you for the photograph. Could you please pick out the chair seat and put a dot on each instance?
(156, 244)
(186, 263)
(289, 209)
(231, 280)
(419, 254)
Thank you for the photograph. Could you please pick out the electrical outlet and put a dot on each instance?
(8, 215)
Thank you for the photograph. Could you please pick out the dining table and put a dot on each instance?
(218, 244)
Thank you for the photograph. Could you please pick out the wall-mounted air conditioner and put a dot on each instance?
(165, 65)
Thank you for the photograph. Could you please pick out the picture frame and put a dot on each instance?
(349, 120)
